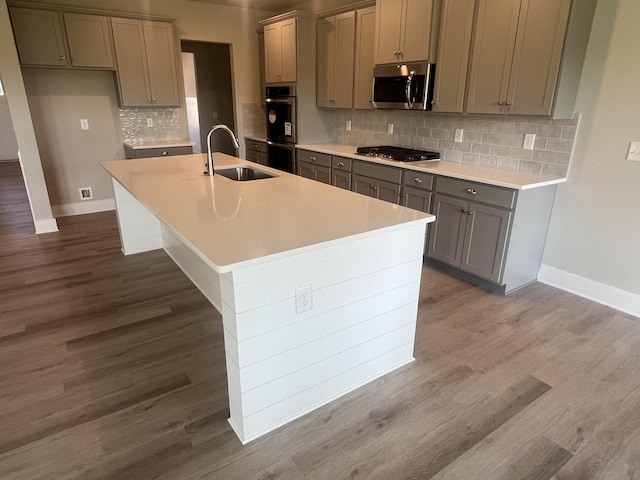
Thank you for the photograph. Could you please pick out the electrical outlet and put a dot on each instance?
(86, 193)
(390, 128)
(84, 124)
(348, 125)
(304, 299)
(459, 134)
(529, 140)
(149, 122)
(634, 152)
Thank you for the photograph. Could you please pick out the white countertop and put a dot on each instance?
(233, 222)
(175, 142)
(464, 171)
(256, 138)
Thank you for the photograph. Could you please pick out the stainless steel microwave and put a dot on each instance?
(403, 87)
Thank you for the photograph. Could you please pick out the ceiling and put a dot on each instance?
(269, 5)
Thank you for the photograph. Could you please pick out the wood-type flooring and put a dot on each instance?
(112, 367)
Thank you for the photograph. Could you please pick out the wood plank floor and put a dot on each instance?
(113, 367)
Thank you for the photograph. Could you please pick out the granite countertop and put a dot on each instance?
(238, 223)
(174, 142)
(464, 171)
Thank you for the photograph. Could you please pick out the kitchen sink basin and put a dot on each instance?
(243, 173)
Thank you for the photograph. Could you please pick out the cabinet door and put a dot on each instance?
(89, 38)
(492, 55)
(345, 33)
(326, 61)
(365, 38)
(341, 179)
(387, 191)
(485, 240)
(363, 185)
(161, 61)
(456, 25)
(446, 236)
(536, 59)
(416, 198)
(39, 37)
(257, 157)
(388, 25)
(272, 53)
(416, 31)
(133, 77)
(306, 170)
(288, 50)
(323, 174)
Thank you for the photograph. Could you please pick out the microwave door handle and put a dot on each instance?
(408, 92)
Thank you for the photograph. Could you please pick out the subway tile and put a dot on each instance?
(559, 145)
(424, 132)
(513, 140)
(565, 121)
(481, 149)
(544, 156)
(431, 143)
(530, 167)
(484, 127)
(441, 134)
(500, 150)
(448, 123)
(506, 163)
(470, 158)
(506, 128)
(411, 131)
(488, 161)
(462, 147)
(557, 170)
(445, 144)
(521, 153)
(540, 143)
(563, 158)
(472, 137)
(524, 128)
(452, 156)
(539, 120)
(432, 122)
(569, 132)
(492, 138)
(418, 122)
(550, 131)
(467, 125)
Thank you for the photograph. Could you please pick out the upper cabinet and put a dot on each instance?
(516, 55)
(146, 59)
(336, 51)
(456, 26)
(403, 30)
(280, 62)
(46, 38)
(364, 62)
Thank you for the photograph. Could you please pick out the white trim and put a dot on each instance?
(47, 225)
(622, 300)
(83, 208)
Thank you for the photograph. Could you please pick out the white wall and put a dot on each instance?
(8, 141)
(595, 227)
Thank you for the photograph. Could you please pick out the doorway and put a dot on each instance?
(209, 92)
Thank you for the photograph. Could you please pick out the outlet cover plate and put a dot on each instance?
(459, 135)
(529, 140)
(390, 128)
(84, 124)
(304, 299)
(634, 152)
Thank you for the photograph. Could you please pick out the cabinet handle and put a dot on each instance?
(405, 197)
(341, 164)
(470, 191)
(417, 180)
(395, 52)
(468, 212)
(312, 158)
(164, 153)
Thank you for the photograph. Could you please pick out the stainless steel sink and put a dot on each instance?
(243, 173)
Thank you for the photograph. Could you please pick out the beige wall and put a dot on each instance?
(8, 141)
(595, 227)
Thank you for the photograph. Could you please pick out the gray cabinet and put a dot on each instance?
(417, 190)
(314, 165)
(341, 172)
(149, 152)
(146, 58)
(47, 38)
(377, 181)
(256, 151)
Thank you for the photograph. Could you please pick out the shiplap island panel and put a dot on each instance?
(249, 245)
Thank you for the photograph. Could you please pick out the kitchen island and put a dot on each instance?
(318, 287)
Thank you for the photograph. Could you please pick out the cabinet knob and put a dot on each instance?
(63, 57)
(312, 158)
(255, 145)
(470, 191)
(149, 100)
(500, 102)
(153, 100)
(73, 58)
(468, 212)
(341, 164)
(417, 180)
(508, 103)
(164, 153)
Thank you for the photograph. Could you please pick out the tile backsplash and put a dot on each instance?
(166, 124)
(254, 119)
(488, 140)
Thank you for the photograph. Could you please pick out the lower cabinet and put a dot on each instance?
(377, 181)
(315, 172)
(341, 172)
(256, 151)
(148, 152)
(470, 236)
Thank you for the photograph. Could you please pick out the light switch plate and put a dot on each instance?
(84, 124)
(149, 122)
(529, 140)
(348, 125)
(390, 128)
(634, 152)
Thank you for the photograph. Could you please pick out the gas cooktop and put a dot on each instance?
(399, 153)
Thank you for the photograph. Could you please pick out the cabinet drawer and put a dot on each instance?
(341, 163)
(257, 157)
(477, 192)
(316, 158)
(255, 145)
(157, 152)
(381, 172)
(418, 179)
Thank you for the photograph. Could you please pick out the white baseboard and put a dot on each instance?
(82, 208)
(48, 225)
(622, 300)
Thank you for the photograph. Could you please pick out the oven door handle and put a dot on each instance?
(289, 146)
(408, 91)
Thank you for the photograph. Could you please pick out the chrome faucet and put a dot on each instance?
(209, 155)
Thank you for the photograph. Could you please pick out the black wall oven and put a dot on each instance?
(281, 127)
